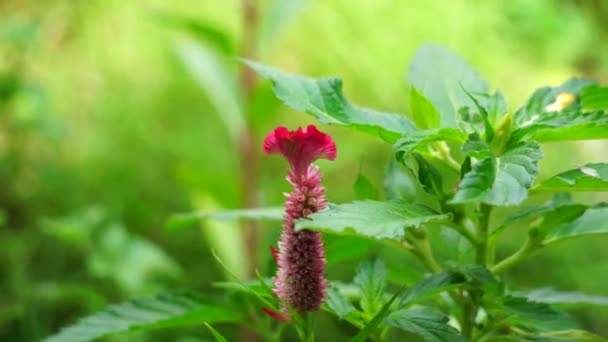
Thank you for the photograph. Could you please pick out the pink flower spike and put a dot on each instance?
(275, 315)
(300, 147)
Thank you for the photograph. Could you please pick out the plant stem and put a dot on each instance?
(464, 232)
(481, 256)
(528, 247)
(423, 250)
(443, 150)
(309, 330)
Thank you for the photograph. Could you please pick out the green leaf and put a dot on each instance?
(421, 139)
(565, 125)
(476, 273)
(439, 75)
(162, 311)
(543, 97)
(364, 189)
(370, 327)
(323, 99)
(424, 113)
(563, 298)
(475, 147)
(594, 97)
(487, 125)
(501, 181)
(591, 177)
(218, 337)
(378, 220)
(338, 304)
(429, 177)
(593, 220)
(529, 315)
(399, 182)
(371, 279)
(180, 220)
(429, 324)
(429, 285)
(571, 335)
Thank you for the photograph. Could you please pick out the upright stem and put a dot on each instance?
(481, 256)
(518, 256)
(310, 327)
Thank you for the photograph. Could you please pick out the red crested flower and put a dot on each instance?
(300, 281)
(300, 147)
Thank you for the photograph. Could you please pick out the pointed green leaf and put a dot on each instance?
(562, 298)
(487, 124)
(338, 304)
(162, 311)
(370, 327)
(423, 112)
(594, 97)
(371, 279)
(591, 177)
(399, 182)
(429, 285)
(543, 97)
(180, 220)
(437, 73)
(218, 337)
(421, 139)
(571, 335)
(323, 99)
(526, 314)
(501, 181)
(565, 125)
(429, 177)
(427, 323)
(475, 147)
(593, 220)
(372, 219)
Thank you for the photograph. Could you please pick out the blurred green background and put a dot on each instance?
(116, 114)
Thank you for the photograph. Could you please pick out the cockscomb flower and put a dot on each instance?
(300, 282)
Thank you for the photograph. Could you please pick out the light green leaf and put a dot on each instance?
(565, 125)
(423, 112)
(594, 97)
(501, 181)
(571, 335)
(364, 189)
(399, 182)
(180, 220)
(427, 323)
(439, 75)
(371, 279)
(323, 99)
(338, 304)
(429, 285)
(378, 220)
(420, 139)
(594, 220)
(162, 311)
(543, 97)
(591, 177)
(562, 298)
(218, 337)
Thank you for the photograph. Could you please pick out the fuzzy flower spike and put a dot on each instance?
(300, 281)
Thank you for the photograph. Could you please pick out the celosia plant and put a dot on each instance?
(460, 155)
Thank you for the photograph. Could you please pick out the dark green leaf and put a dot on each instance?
(429, 285)
(162, 311)
(364, 189)
(371, 279)
(594, 220)
(487, 125)
(429, 177)
(439, 75)
(421, 139)
(562, 298)
(501, 181)
(529, 315)
(591, 177)
(218, 337)
(424, 113)
(475, 147)
(476, 273)
(323, 99)
(594, 97)
(370, 327)
(179, 220)
(543, 97)
(571, 335)
(429, 324)
(379, 220)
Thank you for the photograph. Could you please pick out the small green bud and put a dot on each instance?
(502, 134)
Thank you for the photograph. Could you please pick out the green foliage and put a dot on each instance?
(424, 113)
(324, 100)
(372, 219)
(590, 221)
(371, 279)
(594, 97)
(162, 311)
(364, 189)
(590, 177)
(426, 323)
(421, 139)
(562, 298)
(429, 285)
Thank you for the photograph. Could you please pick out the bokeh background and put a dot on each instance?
(115, 115)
